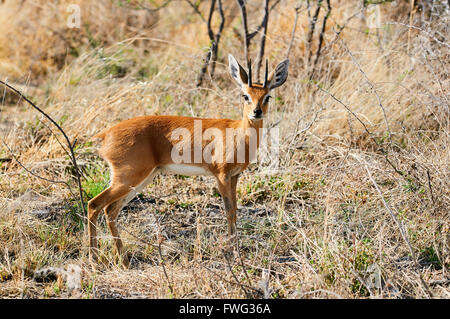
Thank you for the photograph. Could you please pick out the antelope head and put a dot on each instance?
(257, 95)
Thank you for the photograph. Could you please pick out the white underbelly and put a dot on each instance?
(184, 169)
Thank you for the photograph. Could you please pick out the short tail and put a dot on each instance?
(98, 139)
(100, 136)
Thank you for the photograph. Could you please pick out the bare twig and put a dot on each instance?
(368, 82)
(141, 6)
(429, 185)
(160, 240)
(312, 27)
(266, 16)
(423, 31)
(70, 145)
(228, 281)
(247, 37)
(400, 227)
(321, 35)
(196, 10)
(211, 12)
(205, 64)
(294, 27)
(383, 151)
(262, 44)
(53, 181)
(411, 17)
(264, 26)
(243, 9)
(244, 269)
(215, 39)
(234, 276)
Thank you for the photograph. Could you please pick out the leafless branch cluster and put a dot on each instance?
(313, 19)
(248, 36)
(211, 56)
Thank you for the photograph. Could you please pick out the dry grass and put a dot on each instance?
(316, 229)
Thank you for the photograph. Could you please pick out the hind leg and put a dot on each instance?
(113, 208)
(95, 206)
(111, 212)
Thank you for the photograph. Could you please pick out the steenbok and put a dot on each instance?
(138, 148)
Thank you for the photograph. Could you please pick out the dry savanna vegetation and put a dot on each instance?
(358, 207)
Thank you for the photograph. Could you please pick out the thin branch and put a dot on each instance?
(264, 21)
(70, 145)
(160, 240)
(382, 150)
(429, 185)
(241, 4)
(211, 12)
(196, 9)
(205, 64)
(159, 244)
(249, 36)
(370, 84)
(215, 39)
(312, 27)
(141, 6)
(228, 281)
(402, 230)
(423, 31)
(36, 175)
(294, 27)
(57, 139)
(262, 43)
(411, 17)
(31, 172)
(234, 276)
(244, 269)
(321, 36)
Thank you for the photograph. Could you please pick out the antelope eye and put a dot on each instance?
(266, 99)
(246, 98)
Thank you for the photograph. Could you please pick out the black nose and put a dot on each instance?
(257, 112)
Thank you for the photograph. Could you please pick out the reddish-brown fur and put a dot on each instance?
(137, 148)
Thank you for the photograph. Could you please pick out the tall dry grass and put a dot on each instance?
(363, 182)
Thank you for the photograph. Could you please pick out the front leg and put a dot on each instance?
(227, 188)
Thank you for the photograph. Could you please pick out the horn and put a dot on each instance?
(266, 73)
(249, 73)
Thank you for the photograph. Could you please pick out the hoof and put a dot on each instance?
(125, 262)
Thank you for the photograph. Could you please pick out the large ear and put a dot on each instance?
(237, 71)
(279, 75)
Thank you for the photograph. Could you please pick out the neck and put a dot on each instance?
(252, 128)
(246, 123)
